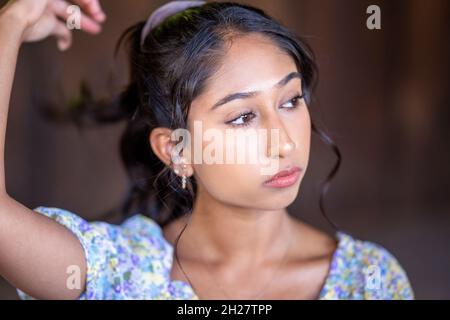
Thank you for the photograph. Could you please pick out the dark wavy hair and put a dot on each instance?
(166, 74)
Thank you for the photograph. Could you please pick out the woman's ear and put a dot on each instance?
(161, 144)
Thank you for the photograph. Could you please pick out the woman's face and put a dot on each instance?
(253, 63)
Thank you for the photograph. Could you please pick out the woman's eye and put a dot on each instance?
(245, 118)
(242, 120)
(293, 103)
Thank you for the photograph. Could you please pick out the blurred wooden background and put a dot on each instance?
(383, 95)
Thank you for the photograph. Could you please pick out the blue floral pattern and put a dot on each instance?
(133, 261)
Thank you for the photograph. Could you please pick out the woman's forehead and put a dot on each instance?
(252, 63)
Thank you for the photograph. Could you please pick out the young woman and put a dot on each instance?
(191, 230)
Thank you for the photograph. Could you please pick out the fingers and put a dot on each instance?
(63, 35)
(86, 23)
(92, 8)
(90, 19)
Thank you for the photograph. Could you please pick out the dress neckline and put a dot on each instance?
(183, 286)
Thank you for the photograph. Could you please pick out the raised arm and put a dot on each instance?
(35, 251)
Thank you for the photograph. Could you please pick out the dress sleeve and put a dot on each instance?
(385, 278)
(100, 244)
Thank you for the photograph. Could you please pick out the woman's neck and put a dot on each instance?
(228, 234)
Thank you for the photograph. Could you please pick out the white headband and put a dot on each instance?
(165, 11)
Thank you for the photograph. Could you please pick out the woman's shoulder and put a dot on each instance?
(364, 269)
(134, 228)
(127, 260)
(136, 225)
(137, 234)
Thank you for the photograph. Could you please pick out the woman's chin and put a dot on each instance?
(280, 198)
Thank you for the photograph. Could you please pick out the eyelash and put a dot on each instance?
(295, 100)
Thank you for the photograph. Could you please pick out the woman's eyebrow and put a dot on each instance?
(249, 94)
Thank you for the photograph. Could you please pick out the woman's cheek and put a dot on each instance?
(234, 183)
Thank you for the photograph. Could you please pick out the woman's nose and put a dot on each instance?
(279, 142)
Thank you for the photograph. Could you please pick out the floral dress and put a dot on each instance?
(133, 261)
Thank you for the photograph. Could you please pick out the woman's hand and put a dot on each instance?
(42, 18)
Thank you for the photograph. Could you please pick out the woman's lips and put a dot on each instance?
(284, 178)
